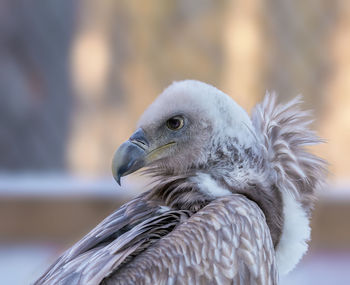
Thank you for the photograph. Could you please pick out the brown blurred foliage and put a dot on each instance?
(119, 55)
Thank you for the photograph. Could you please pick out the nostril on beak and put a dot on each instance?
(139, 139)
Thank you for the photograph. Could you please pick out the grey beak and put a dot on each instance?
(130, 156)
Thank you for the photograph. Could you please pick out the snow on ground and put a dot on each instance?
(21, 264)
(65, 185)
(321, 268)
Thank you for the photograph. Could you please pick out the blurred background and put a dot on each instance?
(76, 75)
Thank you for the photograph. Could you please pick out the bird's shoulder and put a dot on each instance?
(143, 236)
(120, 236)
(226, 242)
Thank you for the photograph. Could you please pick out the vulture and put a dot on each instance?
(229, 203)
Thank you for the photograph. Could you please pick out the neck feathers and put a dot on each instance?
(177, 191)
(297, 173)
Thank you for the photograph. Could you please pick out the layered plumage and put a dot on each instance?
(230, 202)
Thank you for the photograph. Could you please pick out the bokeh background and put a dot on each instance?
(76, 75)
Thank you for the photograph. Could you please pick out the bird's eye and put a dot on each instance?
(175, 123)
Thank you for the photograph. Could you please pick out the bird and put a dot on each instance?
(229, 203)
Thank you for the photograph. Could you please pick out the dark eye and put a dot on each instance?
(175, 123)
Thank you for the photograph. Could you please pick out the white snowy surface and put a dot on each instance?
(65, 185)
(21, 264)
(321, 268)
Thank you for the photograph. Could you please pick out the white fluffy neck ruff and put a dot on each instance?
(295, 235)
(209, 186)
(295, 232)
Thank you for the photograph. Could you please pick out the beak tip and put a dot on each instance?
(130, 156)
(117, 178)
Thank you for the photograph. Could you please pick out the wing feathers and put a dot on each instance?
(115, 240)
(195, 252)
(227, 239)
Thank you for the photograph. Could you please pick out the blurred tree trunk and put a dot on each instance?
(35, 91)
(335, 125)
(244, 52)
(298, 34)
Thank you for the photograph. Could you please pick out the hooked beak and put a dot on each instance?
(130, 156)
(136, 153)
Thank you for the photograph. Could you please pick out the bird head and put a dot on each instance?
(201, 145)
(184, 127)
